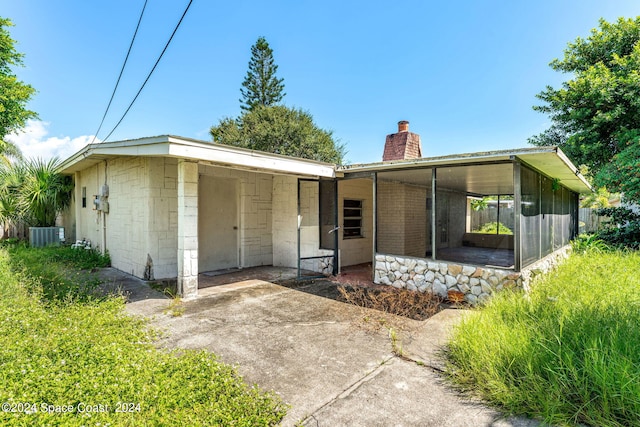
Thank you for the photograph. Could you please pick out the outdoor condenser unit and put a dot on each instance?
(45, 236)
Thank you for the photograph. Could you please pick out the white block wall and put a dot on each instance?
(142, 218)
(187, 253)
(285, 221)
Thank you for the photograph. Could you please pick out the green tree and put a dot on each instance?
(261, 86)
(10, 185)
(280, 130)
(595, 115)
(14, 94)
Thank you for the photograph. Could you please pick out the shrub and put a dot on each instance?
(622, 229)
(568, 352)
(589, 243)
(493, 228)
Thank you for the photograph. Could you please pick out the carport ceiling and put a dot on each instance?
(476, 179)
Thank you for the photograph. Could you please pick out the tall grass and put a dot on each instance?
(86, 353)
(57, 273)
(567, 353)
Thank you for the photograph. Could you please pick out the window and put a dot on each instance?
(352, 213)
(84, 197)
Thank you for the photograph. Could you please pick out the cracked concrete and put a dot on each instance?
(332, 362)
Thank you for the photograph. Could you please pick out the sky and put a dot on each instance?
(464, 73)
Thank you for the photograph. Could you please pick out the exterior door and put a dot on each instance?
(217, 223)
(442, 220)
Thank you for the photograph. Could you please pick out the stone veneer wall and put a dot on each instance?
(475, 282)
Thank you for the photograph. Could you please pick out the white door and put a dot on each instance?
(217, 223)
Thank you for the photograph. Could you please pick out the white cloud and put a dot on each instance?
(33, 142)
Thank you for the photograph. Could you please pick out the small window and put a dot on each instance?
(352, 213)
(84, 197)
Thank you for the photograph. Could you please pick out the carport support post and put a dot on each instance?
(187, 229)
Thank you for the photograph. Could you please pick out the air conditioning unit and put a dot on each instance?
(45, 236)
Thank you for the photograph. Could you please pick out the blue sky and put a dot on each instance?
(464, 73)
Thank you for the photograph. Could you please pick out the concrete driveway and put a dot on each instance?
(332, 362)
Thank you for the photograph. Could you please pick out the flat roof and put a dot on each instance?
(550, 161)
(186, 148)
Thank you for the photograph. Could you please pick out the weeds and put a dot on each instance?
(82, 352)
(396, 344)
(568, 353)
(175, 308)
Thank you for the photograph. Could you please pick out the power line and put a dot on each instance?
(151, 72)
(121, 71)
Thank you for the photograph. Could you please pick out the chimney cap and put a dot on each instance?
(403, 126)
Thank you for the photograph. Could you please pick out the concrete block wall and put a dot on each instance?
(162, 235)
(255, 212)
(403, 219)
(187, 252)
(390, 202)
(129, 214)
(285, 220)
(415, 221)
(357, 250)
(88, 221)
(142, 218)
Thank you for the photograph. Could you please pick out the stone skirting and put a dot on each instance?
(475, 282)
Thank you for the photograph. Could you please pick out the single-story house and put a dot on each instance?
(168, 207)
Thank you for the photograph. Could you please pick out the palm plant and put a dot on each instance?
(10, 184)
(9, 151)
(44, 192)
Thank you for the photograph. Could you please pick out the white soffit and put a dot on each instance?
(550, 161)
(177, 147)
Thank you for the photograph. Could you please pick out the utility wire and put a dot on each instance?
(121, 71)
(151, 72)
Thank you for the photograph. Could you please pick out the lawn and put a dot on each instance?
(567, 353)
(70, 358)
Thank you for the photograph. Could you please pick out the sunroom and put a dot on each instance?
(470, 224)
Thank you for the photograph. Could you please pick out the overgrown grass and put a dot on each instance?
(567, 353)
(82, 353)
(57, 272)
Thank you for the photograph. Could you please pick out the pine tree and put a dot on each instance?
(261, 86)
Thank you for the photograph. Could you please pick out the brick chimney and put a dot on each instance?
(402, 145)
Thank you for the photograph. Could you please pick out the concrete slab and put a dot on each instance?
(426, 343)
(401, 393)
(330, 361)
